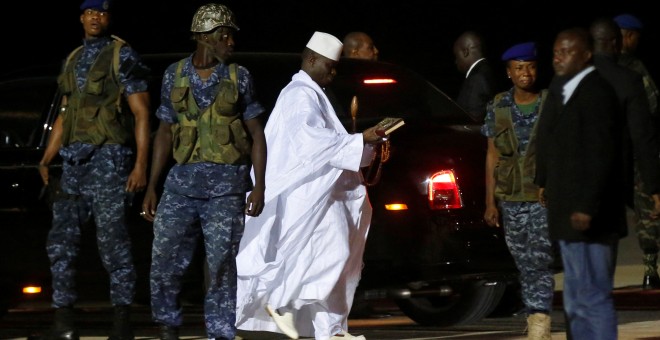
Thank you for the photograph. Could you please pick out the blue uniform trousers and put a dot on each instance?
(176, 231)
(527, 236)
(95, 188)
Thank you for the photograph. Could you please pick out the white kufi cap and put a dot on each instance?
(326, 45)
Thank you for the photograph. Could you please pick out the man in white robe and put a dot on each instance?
(302, 257)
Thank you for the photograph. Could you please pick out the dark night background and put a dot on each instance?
(417, 34)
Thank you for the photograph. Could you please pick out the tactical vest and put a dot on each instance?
(93, 114)
(215, 135)
(514, 173)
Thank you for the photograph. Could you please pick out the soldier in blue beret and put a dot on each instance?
(647, 227)
(97, 5)
(511, 117)
(103, 165)
(521, 52)
(629, 22)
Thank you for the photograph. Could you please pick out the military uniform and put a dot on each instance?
(523, 217)
(94, 180)
(646, 227)
(206, 185)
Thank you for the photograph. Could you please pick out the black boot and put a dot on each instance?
(121, 325)
(168, 332)
(651, 278)
(63, 327)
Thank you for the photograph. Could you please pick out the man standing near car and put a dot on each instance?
(359, 45)
(300, 261)
(210, 122)
(479, 85)
(104, 148)
(579, 176)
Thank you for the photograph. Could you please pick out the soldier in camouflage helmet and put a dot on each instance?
(210, 123)
(102, 136)
(510, 125)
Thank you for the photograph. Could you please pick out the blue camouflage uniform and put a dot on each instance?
(94, 183)
(206, 194)
(525, 222)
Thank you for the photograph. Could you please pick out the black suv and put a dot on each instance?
(428, 248)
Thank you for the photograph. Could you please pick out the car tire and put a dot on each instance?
(469, 303)
(511, 302)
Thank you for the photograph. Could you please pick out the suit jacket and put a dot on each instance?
(639, 130)
(579, 161)
(477, 89)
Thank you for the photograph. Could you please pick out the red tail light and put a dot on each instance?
(443, 191)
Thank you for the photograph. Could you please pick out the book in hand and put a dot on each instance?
(388, 125)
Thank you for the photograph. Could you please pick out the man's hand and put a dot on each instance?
(542, 199)
(149, 205)
(492, 216)
(43, 172)
(580, 221)
(137, 180)
(370, 136)
(656, 206)
(255, 203)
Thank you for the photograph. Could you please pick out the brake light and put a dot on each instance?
(396, 206)
(379, 81)
(31, 290)
(443, 191)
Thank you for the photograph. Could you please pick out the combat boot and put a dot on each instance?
(121, 324)
(63, 326)
(651, 278)
(168, 332)
(538, 327)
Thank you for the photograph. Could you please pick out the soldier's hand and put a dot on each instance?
(542, 199)
(492, 216)
(149, 205)
(43, 172)
(656, 206)
(255, 203)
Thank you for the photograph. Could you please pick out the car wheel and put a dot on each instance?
(469, 303)
(510, 304)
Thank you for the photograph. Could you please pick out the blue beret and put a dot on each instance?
(99, 5)
(524, 52)
(628, 21)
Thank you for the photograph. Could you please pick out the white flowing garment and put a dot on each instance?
(306, 247)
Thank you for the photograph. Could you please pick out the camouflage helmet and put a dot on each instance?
(210, 16)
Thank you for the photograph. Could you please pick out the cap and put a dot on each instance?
(523, 52)
(628, 21)
(210, 16)
(326, 45)
(99, 5)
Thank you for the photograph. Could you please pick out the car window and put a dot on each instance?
(22, 103)
(387, 90)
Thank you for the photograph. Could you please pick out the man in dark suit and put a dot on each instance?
(578, 171)
(641, 163)
(479, 85)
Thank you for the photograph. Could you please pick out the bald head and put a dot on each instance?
(359, 45)
(468, 48)
(606, 36)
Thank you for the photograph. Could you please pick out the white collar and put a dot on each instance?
(572, 84)
(473, 65)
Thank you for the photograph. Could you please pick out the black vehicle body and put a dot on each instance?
(443, 266)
